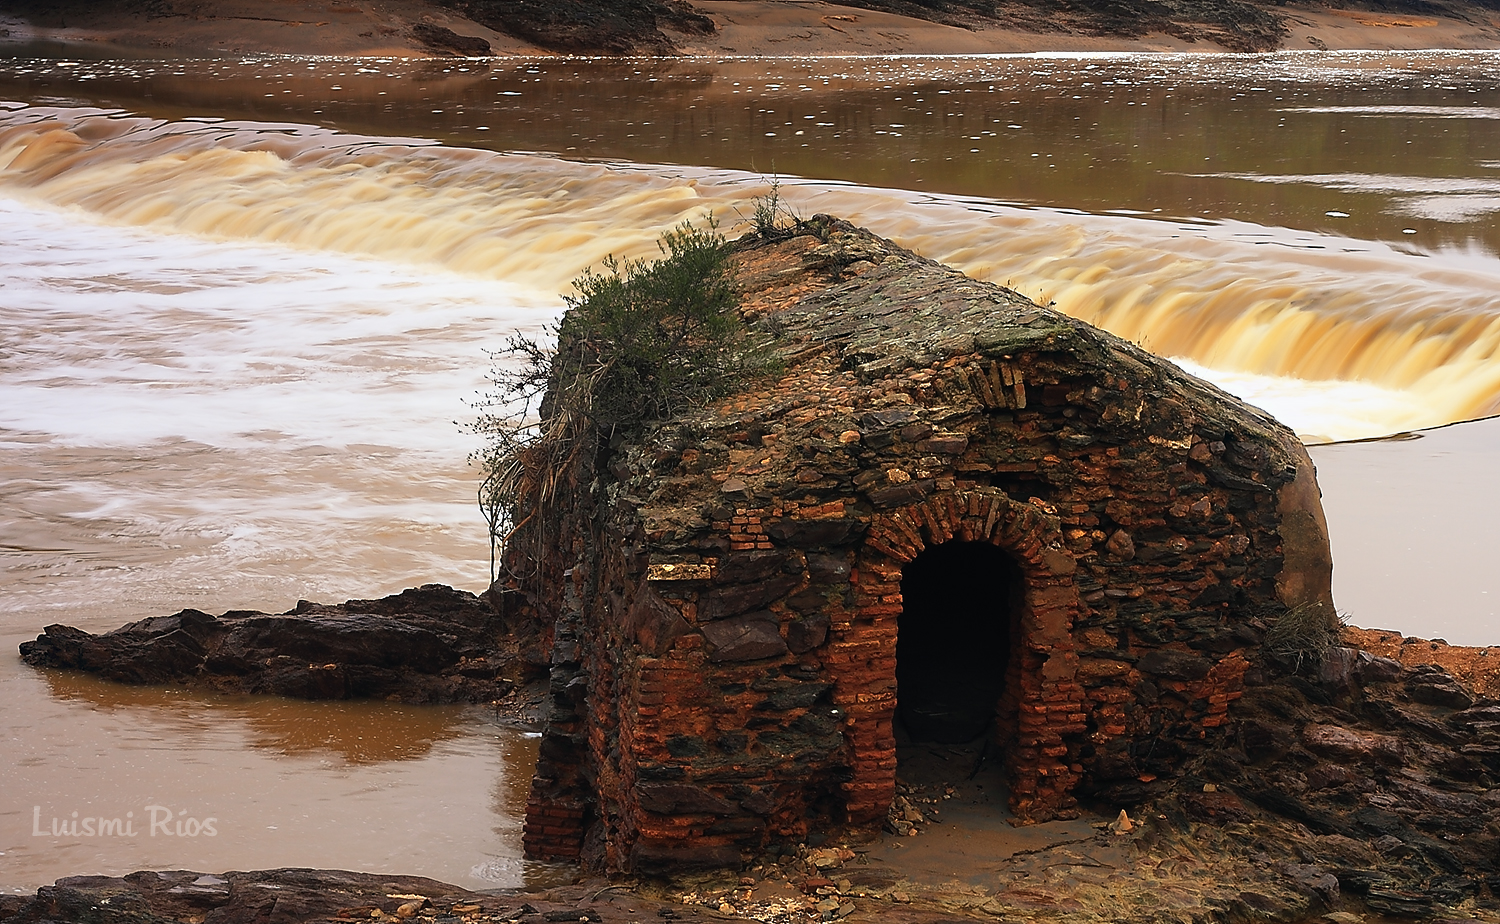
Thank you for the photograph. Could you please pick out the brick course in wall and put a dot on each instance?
(726, 589)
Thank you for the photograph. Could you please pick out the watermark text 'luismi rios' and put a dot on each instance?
(155, 821)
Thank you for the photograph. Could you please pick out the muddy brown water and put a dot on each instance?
(246, 300)
(1395, 146)
(105, 779)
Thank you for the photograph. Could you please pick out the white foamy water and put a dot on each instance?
(243, 405)
(1264, 305)
(187, 422)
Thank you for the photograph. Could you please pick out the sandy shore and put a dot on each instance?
(811, 27)
(299, 27)
(745, 27)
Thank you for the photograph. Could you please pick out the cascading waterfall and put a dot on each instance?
(1394, 341)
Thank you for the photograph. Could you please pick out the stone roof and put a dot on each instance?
(727, 587)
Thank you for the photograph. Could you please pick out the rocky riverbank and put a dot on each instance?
(1360, 784)
(430, 644)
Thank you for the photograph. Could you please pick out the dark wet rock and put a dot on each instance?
(615, 27)
(648, 26)
(1175, 664)
(446, 40)
(1379, 785)
(734, 599)
(1353, 746)
(1341, 667)
(1315, 880)
(1406, 903)
(428, 644)
(682, 799)
(804, 635)
(304, 896)
(1376, 669)
(745, 638)
(1433, 686)
(285, 895)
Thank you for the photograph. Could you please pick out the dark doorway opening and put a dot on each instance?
(953, 640)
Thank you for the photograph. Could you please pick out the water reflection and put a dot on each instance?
(1388, 146)
(434, 791)
(355, 733)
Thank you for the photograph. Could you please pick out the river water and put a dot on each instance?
(246, 305)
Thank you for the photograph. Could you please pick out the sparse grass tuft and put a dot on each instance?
(773, 218)
(1302, 636)
(641, 341)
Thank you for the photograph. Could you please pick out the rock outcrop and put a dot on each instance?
(431, 644)
(610, 27)
(295, 896)
(1380, 777)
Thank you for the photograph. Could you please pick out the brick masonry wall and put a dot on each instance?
(726, 589)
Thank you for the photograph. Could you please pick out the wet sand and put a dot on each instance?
(745, 27)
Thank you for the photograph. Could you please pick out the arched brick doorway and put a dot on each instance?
(953, 641)
(1042, 710)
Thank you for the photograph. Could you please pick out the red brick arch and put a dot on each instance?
(1042, 710)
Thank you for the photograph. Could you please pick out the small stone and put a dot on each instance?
(1210, 787)
(849, 437)
(726, 908)
(845, 885)
(901, 898)
(846, 909)
(408, 909)
(1120, 545)
(826, 858)
(827, 906)
(1343, 917)
(1352, 746)
(1123, 824)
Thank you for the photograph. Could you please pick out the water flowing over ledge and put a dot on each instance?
(1344, 339)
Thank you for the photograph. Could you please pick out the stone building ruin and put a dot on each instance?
(955, 513)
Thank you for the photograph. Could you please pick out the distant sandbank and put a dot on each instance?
(745, 27)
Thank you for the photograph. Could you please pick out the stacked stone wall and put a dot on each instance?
(725, 659)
